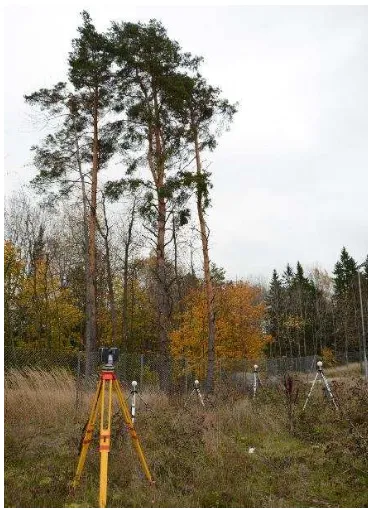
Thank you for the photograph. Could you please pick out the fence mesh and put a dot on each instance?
(145, 367)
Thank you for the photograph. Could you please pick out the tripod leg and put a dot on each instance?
(310, 393)
(329, 389)
(254, 384)
(105, 434)
(259, 381)
(200, 397)
(88, 435)
(133, 433)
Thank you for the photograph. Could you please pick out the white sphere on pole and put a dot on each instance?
(134, 384)
(196, 382)
(319, 364)
(255, 367)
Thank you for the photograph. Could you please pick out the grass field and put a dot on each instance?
(198, 457)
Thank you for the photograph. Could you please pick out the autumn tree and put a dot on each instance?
(14, 274)
(201, 111)
(240, 315)
(39, 311)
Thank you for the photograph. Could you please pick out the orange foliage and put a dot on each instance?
(239, 315)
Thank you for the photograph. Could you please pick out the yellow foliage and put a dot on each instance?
(328, 357)
(13, 270)
(49, 316)
(239, 316)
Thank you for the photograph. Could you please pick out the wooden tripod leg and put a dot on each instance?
(132, 431)
(88, 435)
(105, 435)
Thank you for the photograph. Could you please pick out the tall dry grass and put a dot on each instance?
(200, 457)
(39, 396)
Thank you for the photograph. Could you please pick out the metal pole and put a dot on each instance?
(133, 400)
(255, 380)
(363, 329)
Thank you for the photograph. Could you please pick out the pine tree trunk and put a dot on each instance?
(91, 319)
(162, 297)
(85, 210)
(210, 383)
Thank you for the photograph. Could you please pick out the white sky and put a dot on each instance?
(290, 178)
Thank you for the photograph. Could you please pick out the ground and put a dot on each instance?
(235, 452)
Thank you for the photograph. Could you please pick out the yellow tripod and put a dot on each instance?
(107, 384)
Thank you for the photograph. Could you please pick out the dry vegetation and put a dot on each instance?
(199, 457)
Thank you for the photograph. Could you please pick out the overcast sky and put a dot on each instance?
(290, 177)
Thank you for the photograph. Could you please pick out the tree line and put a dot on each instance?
(308, 314)
(44, 291)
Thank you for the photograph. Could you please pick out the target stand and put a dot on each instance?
(133, 401)
(256, 380)
(196, 391)
(321, 375)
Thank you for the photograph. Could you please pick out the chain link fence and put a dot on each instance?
(145, 368)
